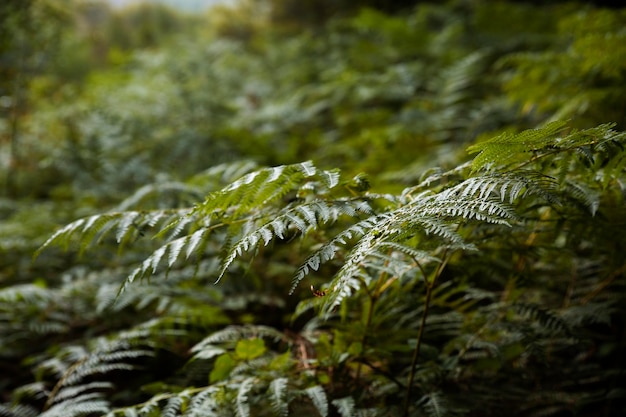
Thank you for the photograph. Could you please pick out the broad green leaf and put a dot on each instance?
(248, 349)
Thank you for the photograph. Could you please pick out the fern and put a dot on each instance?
(243, 401)
(257, 189)
(345, 406)
(305, 217)
(508, 148)
(379, 252)
(278, 390)
(127, 225)
(319, 399)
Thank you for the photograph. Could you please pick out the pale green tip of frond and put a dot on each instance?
(509, 148)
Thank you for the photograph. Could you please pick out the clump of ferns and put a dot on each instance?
(516, 179)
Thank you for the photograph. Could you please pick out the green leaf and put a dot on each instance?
(222, 368)
(248, 349)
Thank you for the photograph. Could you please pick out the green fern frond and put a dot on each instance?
(224, 173)
(504, 186)
(194, 243)
(242, 405)
(588, 198)
(303, 217)
(174, 406)
(425, 214)
(231, 334)
(456, 79)
(72, 392)
(591, 144)
(330, 248)
(81, 407)
(318, 398)
(434, 405)
(345, 406)
(178, 191)
(508, 148)
(18, 410)
(483, 210)
(279, 401)
(545, 317)
(478, 199)
(126, 225)
(203, 402)
(256, 189)
(189, 191)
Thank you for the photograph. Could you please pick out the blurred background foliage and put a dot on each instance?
(97, 102)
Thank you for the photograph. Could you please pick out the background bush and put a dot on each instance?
(410, 209)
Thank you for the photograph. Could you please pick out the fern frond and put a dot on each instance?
(225, 173)
(81, 407)
(345, 406)
(243, 402)
(194, 243)
(587, 197)
(508, 148)
(202, 401)
(531, 145)
(256, 189)
(232, 334)
(318, 398)
(330, 248)
(434, 405)
(126, 225)
(18, 410)
(278, 391)
(67, 393)
(182, 192)
(457, 78)
(174, 405)
(545, 317)
(303, 217)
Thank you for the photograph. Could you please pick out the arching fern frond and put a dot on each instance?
(318, 398)
(345, 406)
(194, 243)
(257, 189)
(535, 144)
(278, 392)
(330, 248)
(178, 191)
(242, 405)
(304, 217)
(125, 226)
(508, 147)
(228, 336)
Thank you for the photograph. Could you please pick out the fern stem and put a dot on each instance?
(429, 292)
(407, 400)
(61, 382)
(373, 296)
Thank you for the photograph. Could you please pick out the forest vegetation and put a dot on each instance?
(313, 208)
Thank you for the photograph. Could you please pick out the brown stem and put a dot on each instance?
(429, 292)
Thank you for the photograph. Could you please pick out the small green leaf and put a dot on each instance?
(250, 348)
(222, 368)
(355, 349)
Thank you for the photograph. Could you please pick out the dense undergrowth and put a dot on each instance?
(417, 214)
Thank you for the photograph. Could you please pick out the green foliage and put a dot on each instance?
(582, 76)
(406, 242)
(476, 269)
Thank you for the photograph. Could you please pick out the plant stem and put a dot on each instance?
(373, 297)
(429, 292)
(407, 400)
